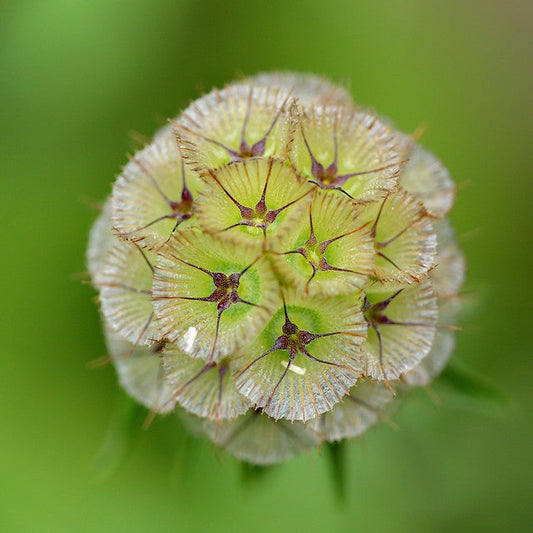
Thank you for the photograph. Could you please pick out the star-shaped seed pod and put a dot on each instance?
(258, 439)
(254, 202)
(140, 373)
(346, 149)
(404, 238)
(441, 348)
(205, 389)
(235, 124)
(362, 407)
(449, 274)
(101, 239)
(125, 284)
(426, 178)
(306, 358)
(211, 296)
(308, 89)
(401, 326)
(330, 251)
(446, 278)
(154, 194)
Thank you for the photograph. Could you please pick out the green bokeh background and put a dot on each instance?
(76, 78)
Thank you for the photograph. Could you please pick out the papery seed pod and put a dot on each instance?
(404, 238)
(125, 283)
(447, 278)
(346, 149)
(449, 273)
(257, 438)
(306, 358)
(426, 178)
(239, 122)
(154, 194)
(211, 296)
(331, 250)
(441, 348)
(308, 89)
(101, 239)
(276, 266)
(402, 323)
(255, 202)
(361, 408)
(140, 373)
(205, 389)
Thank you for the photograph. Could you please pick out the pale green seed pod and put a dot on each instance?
(277, 262)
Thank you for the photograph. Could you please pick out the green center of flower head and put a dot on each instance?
(260, 216)
(236, 287)
(315, 252)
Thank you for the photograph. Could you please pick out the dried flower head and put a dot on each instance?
(277, 266)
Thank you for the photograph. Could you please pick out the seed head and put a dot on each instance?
(276, 265)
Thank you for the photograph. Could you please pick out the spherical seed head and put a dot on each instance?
(277, 262)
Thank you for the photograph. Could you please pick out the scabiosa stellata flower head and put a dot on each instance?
(277, 267)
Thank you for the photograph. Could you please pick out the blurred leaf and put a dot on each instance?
(124, 423)
(251, 473)
(186, 454)
(476, 390)
(336, 452)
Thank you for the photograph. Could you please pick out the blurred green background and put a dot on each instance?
(76, 78)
